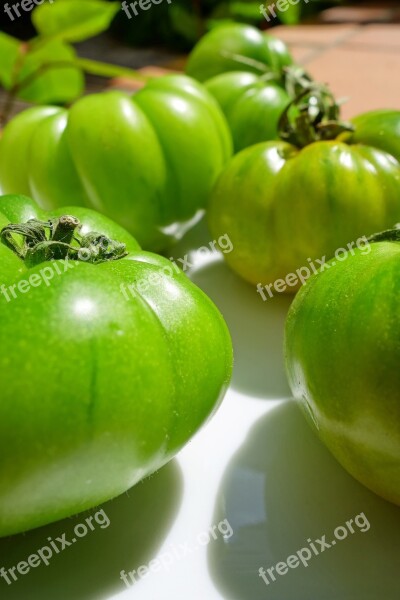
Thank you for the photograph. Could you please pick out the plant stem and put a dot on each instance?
(11, 94)
(89, 66)
(7, 108)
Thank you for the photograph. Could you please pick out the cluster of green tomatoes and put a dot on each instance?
(103, 391)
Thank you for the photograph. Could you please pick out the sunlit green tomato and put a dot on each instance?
(283, 206)
(343, 355)
(379, 128)
(110, 361)
(147, 161)
(224, 48)
(252, 106)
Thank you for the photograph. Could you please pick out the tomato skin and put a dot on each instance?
(379, 128)
(207, 59)
(147, 161)
(252, 106)
(101, 384)
(282, 206)
(342, 354)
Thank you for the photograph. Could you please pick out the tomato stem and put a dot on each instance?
(58, 239)
(296, 81)
(313, 116)
(390, 235)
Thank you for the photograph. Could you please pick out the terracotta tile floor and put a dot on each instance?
(368, 78)
(359, 61)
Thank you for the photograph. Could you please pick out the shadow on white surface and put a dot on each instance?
(256, 327)
(282, 488)
(90, 569)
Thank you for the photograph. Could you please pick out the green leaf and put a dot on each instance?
(214, 23)
(292, 15)
(101, 69)
(246, 10)
(222, 11)
(57, 84)
(10, 49)
(74, 20)
(184, 22)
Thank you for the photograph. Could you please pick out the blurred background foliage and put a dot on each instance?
(40, 62)
(180, 24)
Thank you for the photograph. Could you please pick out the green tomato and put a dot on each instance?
(343, 353)
(284, 206)
(111, 360)
(379, 128)
(147, 161)
(220, 51)
(252, 106)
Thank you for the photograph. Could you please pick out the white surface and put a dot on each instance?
(256, 464)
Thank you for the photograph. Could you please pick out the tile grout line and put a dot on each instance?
(336, 44)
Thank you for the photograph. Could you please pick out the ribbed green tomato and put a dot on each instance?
(343, 356)
(147, 161)
(108, 367)
(220, 51)
(252, 106)
(283, 205)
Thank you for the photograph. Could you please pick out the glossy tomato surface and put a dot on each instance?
(107, 369)
(222, 49)
(251, 104)
(378, 128)
(343, 355)
(148, 161)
